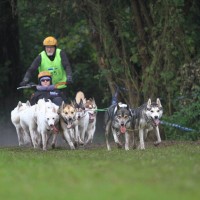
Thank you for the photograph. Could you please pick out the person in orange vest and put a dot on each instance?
(55, 61)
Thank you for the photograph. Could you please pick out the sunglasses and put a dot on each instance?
(43, 80)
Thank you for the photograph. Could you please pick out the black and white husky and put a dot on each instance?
(118, 121)
(146, 118)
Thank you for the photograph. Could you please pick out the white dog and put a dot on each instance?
(47, 121)
(15, 118)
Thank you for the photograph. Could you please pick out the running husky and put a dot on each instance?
(146, 118)
(91, 108)
(82, 115)
(69, 125)
(118, 120)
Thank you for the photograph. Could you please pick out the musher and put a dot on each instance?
(55, 61)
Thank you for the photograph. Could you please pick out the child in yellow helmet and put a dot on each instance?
(46, 90)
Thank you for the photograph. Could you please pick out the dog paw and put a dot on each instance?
(134, 147)
(81, 143)
(141, 147)
(156, 143)
(119, 146)
(72, 148)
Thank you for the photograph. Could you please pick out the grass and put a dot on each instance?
(170, 172)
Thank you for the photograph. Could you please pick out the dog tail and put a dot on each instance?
(114, 97)
(80, 96)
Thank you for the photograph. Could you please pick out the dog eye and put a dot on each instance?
(66, 113)
(72, 113)
(119, 116)
(53, 117)
(125, 116)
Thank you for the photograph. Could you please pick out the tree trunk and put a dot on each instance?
(142, 43)
(9, 51)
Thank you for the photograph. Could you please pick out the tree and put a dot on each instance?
(9, 51)
(142, 45)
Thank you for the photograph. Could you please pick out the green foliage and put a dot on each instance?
(186, 116)
(149, 60)
(38, 20)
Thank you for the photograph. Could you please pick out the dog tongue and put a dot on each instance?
(54, 129)
(69, 126)
(122, 129)
(156, 122)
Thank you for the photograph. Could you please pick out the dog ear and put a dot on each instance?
(28, 103)
(84, 101)
(73, 103)
(149, 103)
(128, 108)
(61, 107)
(93, 100)
(81, 102)
(158, 102)
(41, 102)
(118, 106)
(19, 104)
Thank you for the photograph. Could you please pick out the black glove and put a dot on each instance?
(69, 80)
(23, 83)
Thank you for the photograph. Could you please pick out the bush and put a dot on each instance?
(186, 117)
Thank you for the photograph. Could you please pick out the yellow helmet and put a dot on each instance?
(44, 73)
(50, 41)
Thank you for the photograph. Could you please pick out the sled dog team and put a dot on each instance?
(122, 120)
(37, 123)
(77, 122)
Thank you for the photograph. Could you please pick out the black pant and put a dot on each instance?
(58, 101)
(64, 94)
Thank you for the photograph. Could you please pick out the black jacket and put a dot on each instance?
(55, 95)
(37, 61)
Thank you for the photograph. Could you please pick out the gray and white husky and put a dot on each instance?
(118, 121)
(146, 118)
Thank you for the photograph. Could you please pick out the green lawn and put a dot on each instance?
(168, 172)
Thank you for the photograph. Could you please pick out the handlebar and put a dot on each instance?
(29, 85)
